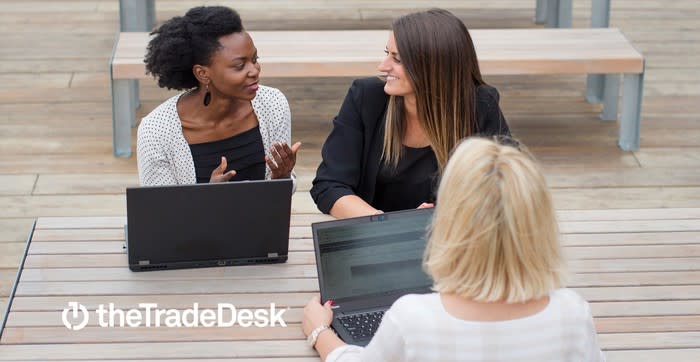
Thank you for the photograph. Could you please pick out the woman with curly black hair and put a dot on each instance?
(225, 125)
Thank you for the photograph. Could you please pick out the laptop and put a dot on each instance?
(365, 264)
(204, 225)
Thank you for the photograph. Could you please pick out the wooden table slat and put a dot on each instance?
(118, 222)
(654, 355)
(192, 350)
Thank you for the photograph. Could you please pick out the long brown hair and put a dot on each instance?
(438, 56)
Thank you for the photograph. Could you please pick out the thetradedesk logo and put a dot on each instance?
(76, 307)
(149, 315)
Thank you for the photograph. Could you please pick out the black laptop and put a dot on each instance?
(203, 225)
(364, 264)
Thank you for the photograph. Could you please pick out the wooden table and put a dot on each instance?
(640, 269)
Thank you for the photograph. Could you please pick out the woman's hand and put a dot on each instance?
(316, 315)
(218, 174)
(426, 205)
(283, 159)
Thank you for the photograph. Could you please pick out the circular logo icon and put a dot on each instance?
(75, 307)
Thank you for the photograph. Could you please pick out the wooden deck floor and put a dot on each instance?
(55, 110)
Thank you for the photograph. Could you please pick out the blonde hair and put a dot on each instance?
(494, 235)
(438, 55)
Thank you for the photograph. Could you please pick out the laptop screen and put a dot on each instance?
(374, 255)
(229, 223)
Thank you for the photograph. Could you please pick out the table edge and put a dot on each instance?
(11, 297)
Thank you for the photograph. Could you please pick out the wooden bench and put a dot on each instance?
(355, 53)
(140, 15)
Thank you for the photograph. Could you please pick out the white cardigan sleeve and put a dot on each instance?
(278, 122)
(155, 168)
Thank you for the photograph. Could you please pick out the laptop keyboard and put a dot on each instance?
(362, 326)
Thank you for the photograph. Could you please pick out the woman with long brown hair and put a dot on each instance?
(392, 136)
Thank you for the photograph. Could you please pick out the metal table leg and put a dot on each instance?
(600, 18)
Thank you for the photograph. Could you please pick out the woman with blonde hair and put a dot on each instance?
(392, 136)
(498, 271)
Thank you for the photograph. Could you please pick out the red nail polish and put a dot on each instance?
(330, 301)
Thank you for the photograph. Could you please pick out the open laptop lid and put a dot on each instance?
(372, 259)
(200, 225)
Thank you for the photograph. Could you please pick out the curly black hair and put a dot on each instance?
(184, 41)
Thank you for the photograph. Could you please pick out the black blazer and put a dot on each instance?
(352, 152)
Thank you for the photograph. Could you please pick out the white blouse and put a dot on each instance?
(417, 328)
(164, 157)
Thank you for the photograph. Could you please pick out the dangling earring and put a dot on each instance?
(207, 95)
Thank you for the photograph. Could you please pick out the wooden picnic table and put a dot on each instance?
(640, 269)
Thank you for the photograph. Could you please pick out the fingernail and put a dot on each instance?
(330, 301)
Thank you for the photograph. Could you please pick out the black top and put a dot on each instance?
(352, 152)
(410, 184)
(244, 153)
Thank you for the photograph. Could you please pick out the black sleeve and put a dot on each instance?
(341, 165)
(490, 119)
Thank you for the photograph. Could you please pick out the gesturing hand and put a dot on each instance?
(283, 159)
(218, 174)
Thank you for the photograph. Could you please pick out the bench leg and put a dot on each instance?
(559, 13)
(630, 119)
(541, 12)
(134, 99)
(136, 15)
(600, 13)
(151, 14)
(122, 115)
(611, 92)
(600, 18)
(595, 85)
